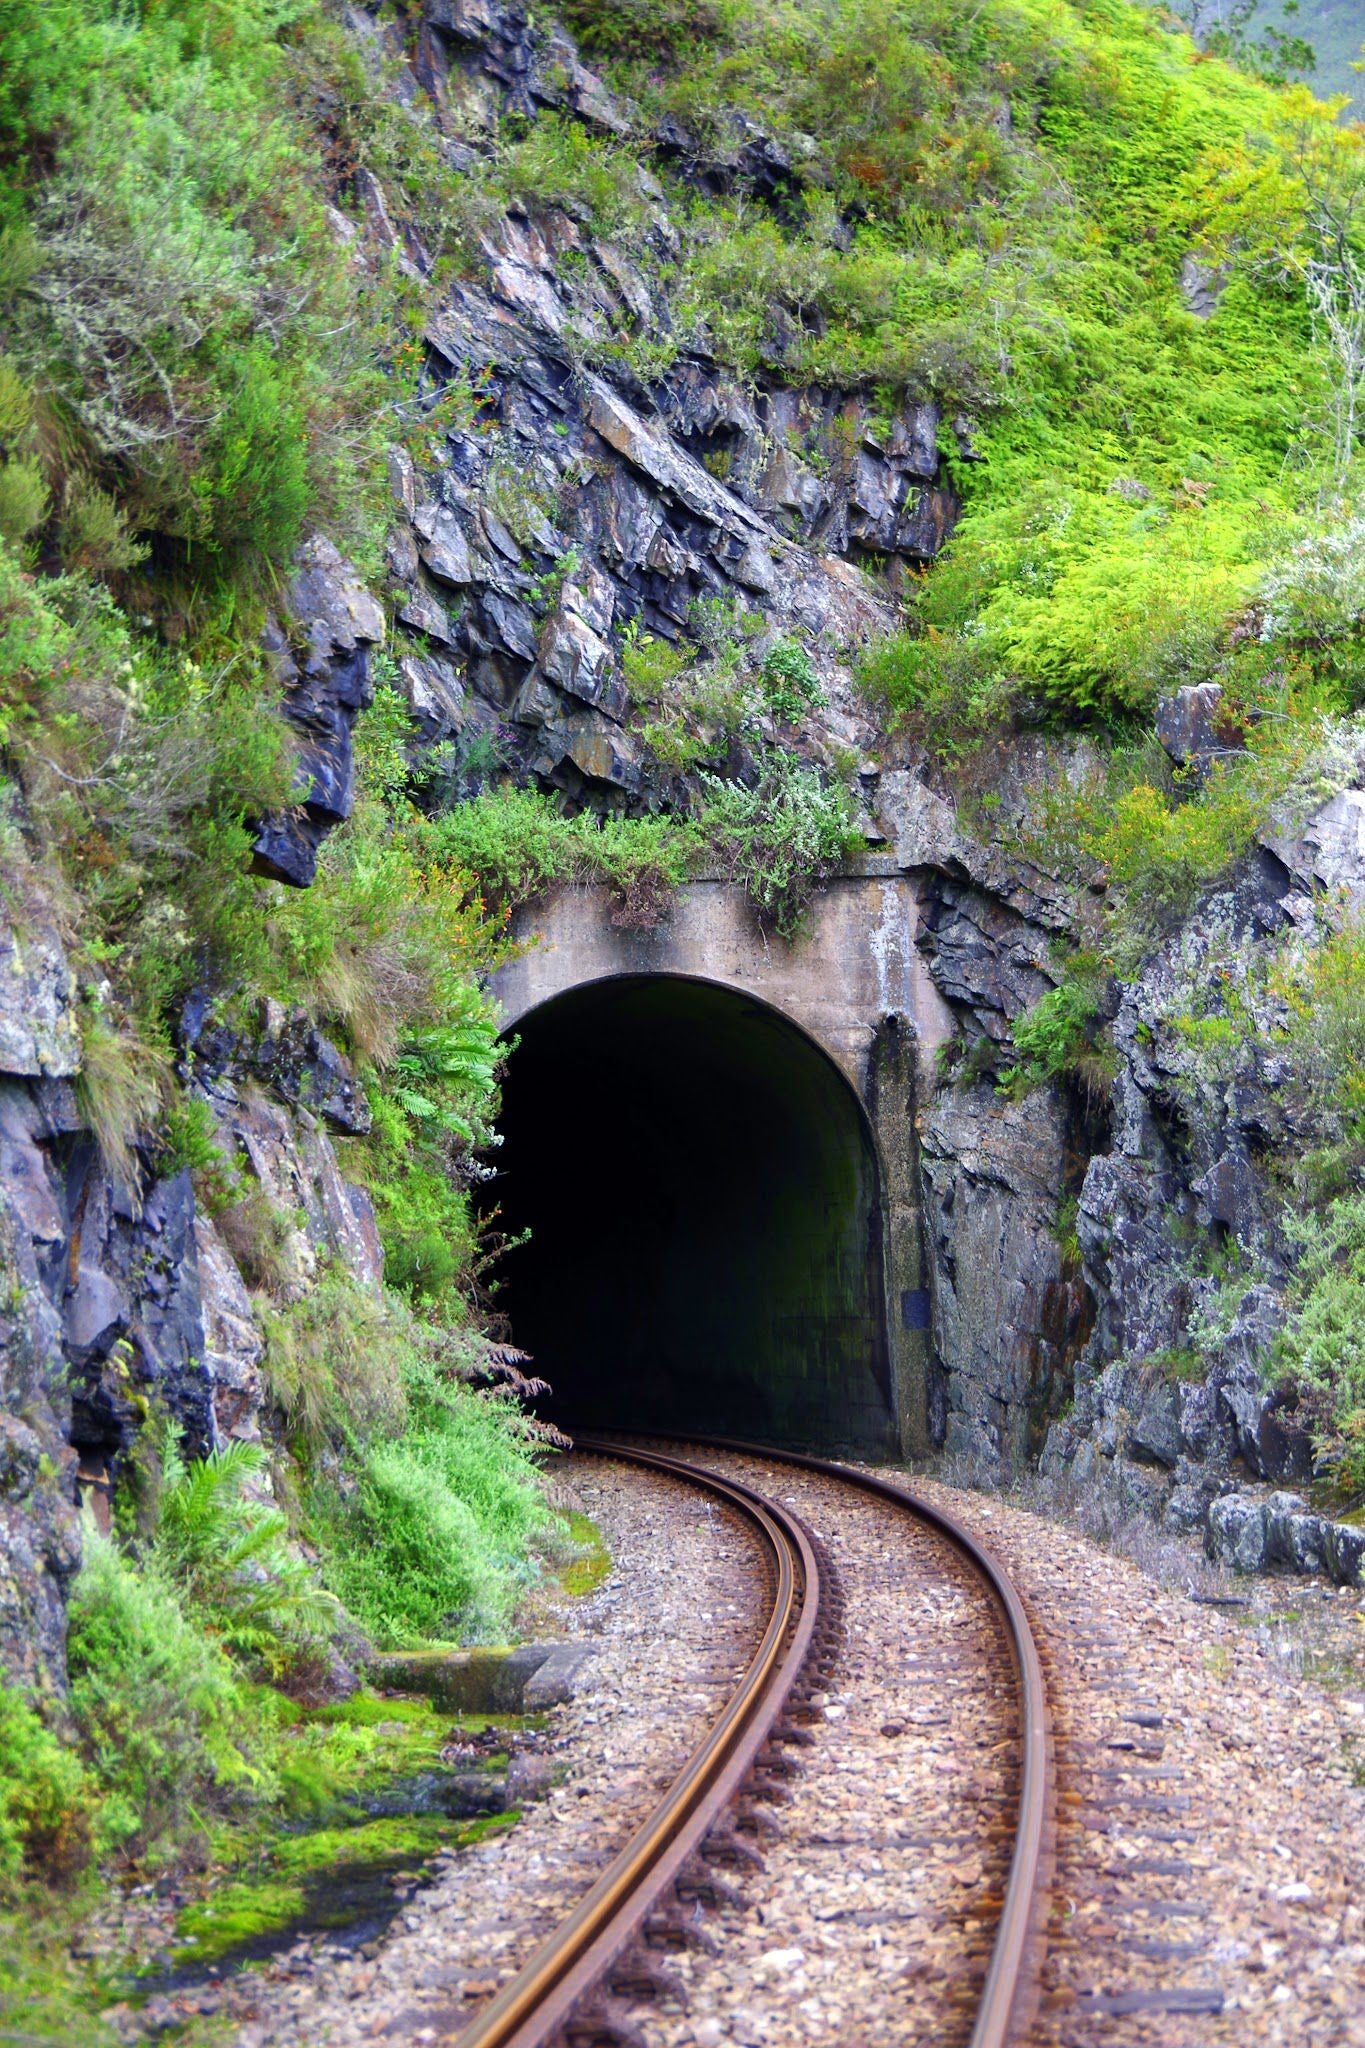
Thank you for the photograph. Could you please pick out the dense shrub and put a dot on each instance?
(167, 1724)
(183, 305)
(228, 1554)
(432, 1540)
(782, 837)
(518, 843)
(1057, 1037)
(48, 1801)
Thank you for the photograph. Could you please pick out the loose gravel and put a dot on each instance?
(1212, 1817)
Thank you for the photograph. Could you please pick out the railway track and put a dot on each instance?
(578, 1987)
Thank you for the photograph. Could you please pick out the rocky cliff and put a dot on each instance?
(566, 518)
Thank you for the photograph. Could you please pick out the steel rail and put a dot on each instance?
(542, 1995)
(1010, 1999)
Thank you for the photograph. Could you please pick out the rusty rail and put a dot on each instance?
(535, 2005)
(537, 2002)
(1009, 2001)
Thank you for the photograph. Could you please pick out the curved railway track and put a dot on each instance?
(557, 1995)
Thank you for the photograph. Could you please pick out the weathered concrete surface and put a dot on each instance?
(854, 967)
(854, 984)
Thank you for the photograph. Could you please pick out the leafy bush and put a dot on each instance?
(781, 838)
(432, 1541)
(165, 1720)
(229, 1555)
(512, 844)
(789, 682)
(1322, 1344)
(48, 1801)
(334, 1364)
(1317, 597)
(187, 310)
(666, 30)
(1057, 1037)
(944, 690)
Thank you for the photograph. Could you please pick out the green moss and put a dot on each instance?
(269, 1884)
(585, 1573)
(311, 1882)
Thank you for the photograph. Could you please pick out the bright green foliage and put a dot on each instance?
(1322, 1344)
(781, 838)
(1026, 182)
(666, 29)
(141, 771)
(163, 1715)
(48, 1801)
(168, 221)
(230, 1555)
(1057, 1036)
(518, 844)
(789, 682)
(432, 1539)
(940, 689)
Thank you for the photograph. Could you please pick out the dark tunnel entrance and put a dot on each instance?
(703, 1199)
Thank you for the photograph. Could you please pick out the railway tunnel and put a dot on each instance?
(703, 1201)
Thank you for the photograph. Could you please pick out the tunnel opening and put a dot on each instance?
(702, 1196)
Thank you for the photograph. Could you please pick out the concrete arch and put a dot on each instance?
(855, 964)
(703, 1192)
(853, 991)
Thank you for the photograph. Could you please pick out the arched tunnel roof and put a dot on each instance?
(702, 1193)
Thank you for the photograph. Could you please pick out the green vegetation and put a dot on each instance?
(993, 208)
(781, 837)
(1058, 1036)
(520, 843)
(190, 354)
(432, 1533)
(592, 1563)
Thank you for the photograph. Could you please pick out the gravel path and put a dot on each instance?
(1211, 1823)
(674, 1627)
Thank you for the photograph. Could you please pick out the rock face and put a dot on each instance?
(115, 1300)
(1196, 1116)
(561, 499)
(323, 665)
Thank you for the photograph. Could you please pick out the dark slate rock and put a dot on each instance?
(324, 668)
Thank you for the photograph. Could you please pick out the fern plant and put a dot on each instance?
(232, 1556)
(443, 1065)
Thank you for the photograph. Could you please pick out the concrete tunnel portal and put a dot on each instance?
(703, 1199)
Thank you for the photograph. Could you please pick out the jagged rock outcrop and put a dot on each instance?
(1009, 1315)
(1197, 1120)
(122, 1300)
(322, 661)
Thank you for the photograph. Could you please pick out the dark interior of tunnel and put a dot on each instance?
(701, 1193)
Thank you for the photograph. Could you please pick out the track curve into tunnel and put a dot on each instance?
(703, 1199)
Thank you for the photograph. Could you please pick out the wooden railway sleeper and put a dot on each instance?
(701, 1885)
(672, 1929)
(774, 1764)
(604, 2024)
(637, 1975)
(723, 1845)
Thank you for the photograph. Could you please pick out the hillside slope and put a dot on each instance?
(445, 452)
